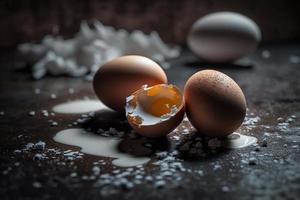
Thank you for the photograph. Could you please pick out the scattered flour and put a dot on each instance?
(89, 49)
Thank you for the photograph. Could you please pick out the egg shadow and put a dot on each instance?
(197, 147)
(193, 61)
(142, 146)
(191, 147)
(130, 142)
(105, 119)
(236, 65)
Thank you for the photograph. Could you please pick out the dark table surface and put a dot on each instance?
(272, 89)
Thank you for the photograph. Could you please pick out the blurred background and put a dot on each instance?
(268, 76)
(30, 20)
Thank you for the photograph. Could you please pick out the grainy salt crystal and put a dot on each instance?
(167, 173)
(162, 154)
(17, 151)
(175, 137)
(74, 174)
(160, 184)
(148, 178)
(54, 124)
(71, 90)
(37, 91)
(29, 146)
(129, 169)
(31, 113)
(279, 119)
(216, 167)
(200, 172)
(96, 170)
(39, 145)
(138, 176)
(38, 156)
(53, 96)
(267, 134)
(36, 184)
(225, 189)
(266, 54)
(148, 145)
(127, 185)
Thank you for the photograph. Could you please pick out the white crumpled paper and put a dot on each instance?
(89, 49)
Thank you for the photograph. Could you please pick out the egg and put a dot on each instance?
(215, 104)
(223, 37)
(120, 77)
(155, 111)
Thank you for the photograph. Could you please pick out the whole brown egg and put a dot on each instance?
(120, 77)
(215, 104)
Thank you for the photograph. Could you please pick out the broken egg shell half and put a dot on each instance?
(155, 111)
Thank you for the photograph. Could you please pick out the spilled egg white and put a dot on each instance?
(223, 37)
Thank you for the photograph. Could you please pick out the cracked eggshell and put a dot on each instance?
(150, 113)
(120, 77)
(215, 104)
(223, 37)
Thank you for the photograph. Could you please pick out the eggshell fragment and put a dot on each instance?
(215, 104)
(119, 78)
(223, 37)
(155, 111)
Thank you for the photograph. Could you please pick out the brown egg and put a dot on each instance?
(215, 104)
(119, 78)
(155, 111)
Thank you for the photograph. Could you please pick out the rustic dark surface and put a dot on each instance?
(30, 20)
(272, 89)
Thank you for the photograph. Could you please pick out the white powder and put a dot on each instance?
(79, 106)
(91, 48)
(240, 141)
(266, 54)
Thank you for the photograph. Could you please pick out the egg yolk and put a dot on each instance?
(153, 103)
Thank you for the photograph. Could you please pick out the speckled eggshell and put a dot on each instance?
(223, 37)
(215, 104)
(119, 78)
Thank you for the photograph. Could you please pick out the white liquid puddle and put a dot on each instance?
(236, 140)
(79, 106)
(99, 146)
